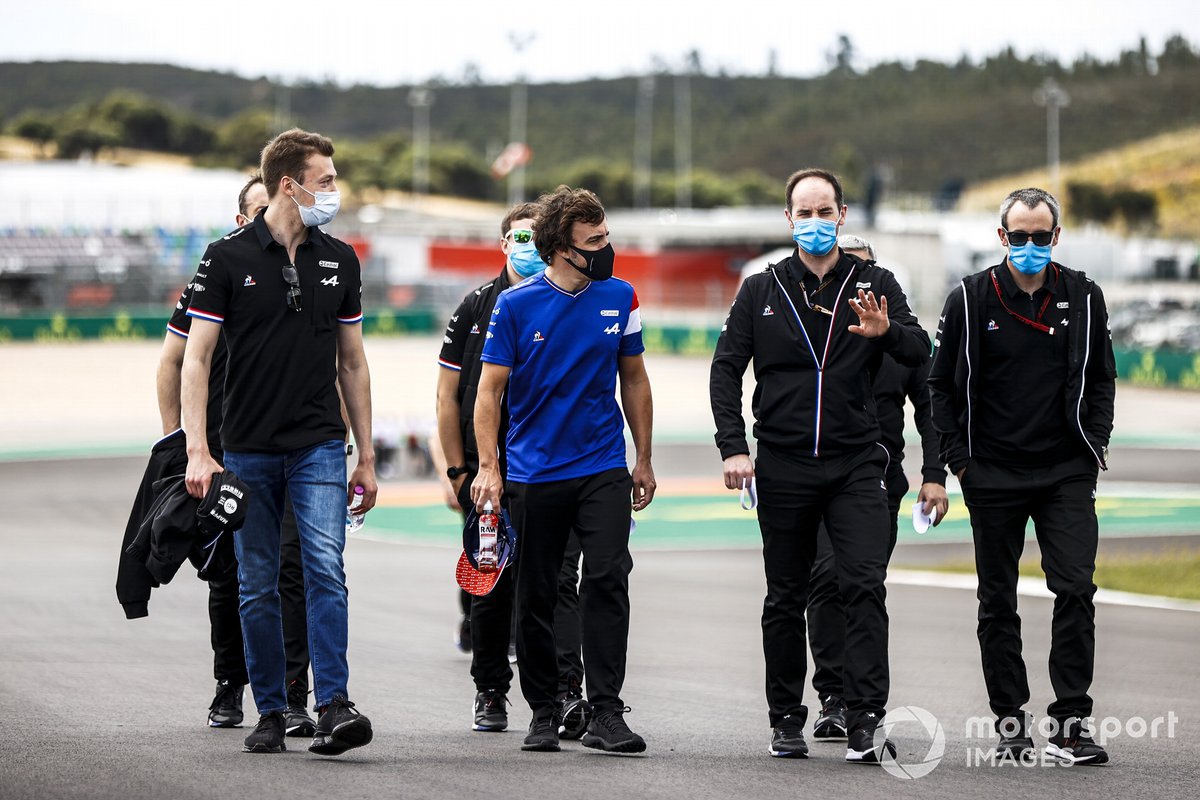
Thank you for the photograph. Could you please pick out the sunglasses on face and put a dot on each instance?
(521, 235)
(293, 280)
(1019, 238)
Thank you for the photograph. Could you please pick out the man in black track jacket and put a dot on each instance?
(816, 326)
(1022, 384)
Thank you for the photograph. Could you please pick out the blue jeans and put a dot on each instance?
(316, 479)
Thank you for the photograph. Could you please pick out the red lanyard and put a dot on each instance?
(1035, 323)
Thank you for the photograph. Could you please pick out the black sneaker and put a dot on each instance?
(339, 728)
(491, 713)
(608, 732)
(543, 734)
(860, 744)
(462, 635)
(226, 708)
(1073, 745)
(267, 736)
(787, 741)
(1015, 741)
(576, 713)
(296, 718)
(831, 725)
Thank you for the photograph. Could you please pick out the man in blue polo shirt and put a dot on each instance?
(558, 341)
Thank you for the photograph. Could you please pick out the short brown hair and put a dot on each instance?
(559, 212)
(519, 211)
(255, 178)
(287, 155)
(813, 172)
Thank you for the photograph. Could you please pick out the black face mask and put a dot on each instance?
(597, 264)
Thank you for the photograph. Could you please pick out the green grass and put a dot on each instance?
(1168, 573)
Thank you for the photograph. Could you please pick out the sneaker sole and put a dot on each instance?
(212, 723)
(627, 746)
(541, 747)
(346, 736)
(490, 727)
(304, 729)
(262, 748)
(575, 725)
(788, 753)
(1054, 751)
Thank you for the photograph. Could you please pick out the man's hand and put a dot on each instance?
(739, 471)
(643, 485)
(933, 495)
(487, 487)
(364, 476)
(200, 469)
(873, 319)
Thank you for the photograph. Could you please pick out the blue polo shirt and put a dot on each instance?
(562, 348)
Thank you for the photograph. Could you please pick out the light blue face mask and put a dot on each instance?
(814, 235)
(322, 211)
(524, 259)
(1029, 259)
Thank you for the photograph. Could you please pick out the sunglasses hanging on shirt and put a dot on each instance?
(821, 287)
(293, 281)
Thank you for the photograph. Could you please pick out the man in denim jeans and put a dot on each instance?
(286, 295)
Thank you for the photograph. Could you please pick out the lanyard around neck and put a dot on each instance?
(1035, 323)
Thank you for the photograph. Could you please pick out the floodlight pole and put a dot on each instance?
(1053, 97)
(420, 99)
(518, 115)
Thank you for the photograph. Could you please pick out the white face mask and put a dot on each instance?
(322, 211)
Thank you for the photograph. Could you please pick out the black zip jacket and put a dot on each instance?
(813, 401)
(1091, 367)
(893, 386)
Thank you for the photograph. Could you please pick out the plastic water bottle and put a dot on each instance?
(355, 521)
(489, 556)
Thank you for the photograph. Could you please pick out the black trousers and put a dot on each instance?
(493, 620)
(795, 494)
(229, 659)
(826, 611)
(597, 508)
(1061, 501)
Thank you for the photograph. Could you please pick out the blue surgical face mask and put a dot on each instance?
(1029, 259)
(524, 259)
(322, 211)
(814, 235)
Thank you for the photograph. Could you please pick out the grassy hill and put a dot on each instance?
(1167, 166)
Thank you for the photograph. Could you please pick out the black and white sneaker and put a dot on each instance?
(860, 744)
(491, 712)
(296, 718)
(575, 713)
(831, 725)
(543, 734)
(1015, 742)
(340, 727)
(267, 736)
(226, 708)
(608, 732)
(787, 739)
(1073, 744)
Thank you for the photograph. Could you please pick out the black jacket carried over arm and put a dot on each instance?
(957, 364)
(816, 402)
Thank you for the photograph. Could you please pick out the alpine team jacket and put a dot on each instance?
(954, 374)
(814, 402)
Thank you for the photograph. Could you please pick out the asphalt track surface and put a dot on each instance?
(96, 706)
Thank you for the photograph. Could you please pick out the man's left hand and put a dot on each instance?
(643, 486)
(933, 495)
(873, 319)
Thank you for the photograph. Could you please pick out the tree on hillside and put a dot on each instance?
(35, 126)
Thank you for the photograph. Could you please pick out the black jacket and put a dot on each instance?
(893, 386)
(1090, 380)
(815, 402)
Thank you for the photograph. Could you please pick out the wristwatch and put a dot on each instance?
(454, 472)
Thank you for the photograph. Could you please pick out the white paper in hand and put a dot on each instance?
(921, 522)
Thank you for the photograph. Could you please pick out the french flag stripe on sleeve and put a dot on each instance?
(634, 325)
(193, 312)
(351, 320)
(177, 331)
(450, 365)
